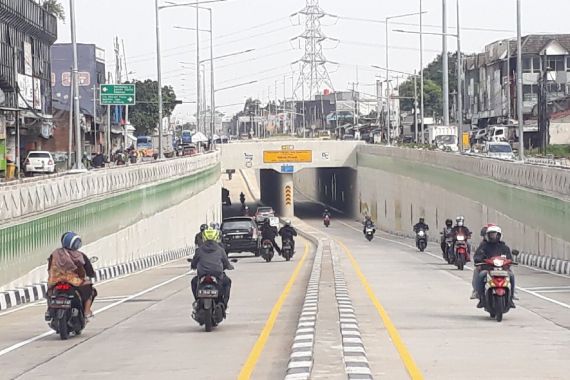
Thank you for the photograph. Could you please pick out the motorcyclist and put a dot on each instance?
(246, 211)
(446, 233)
(368, 223)
(461, 229)
(287, 232)
(326, 213)
(242, 198)
(211, 259)
(421, 225)
(268, 232)
(199, 238)
(491, 247)
(68, 264)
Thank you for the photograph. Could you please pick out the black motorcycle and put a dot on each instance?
(267, 250)
(210, 310)
(287, 250)
(65, 310)
(421, 240)
(369, 233)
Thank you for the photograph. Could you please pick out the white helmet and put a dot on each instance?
(460, 221)
(497, 233)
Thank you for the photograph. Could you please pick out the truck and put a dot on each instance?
(444, 137)
(167, 145)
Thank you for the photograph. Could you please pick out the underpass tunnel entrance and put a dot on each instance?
(277, 190)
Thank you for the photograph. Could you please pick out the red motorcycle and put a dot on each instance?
(498, 288)
(327, 220)
(459, 254)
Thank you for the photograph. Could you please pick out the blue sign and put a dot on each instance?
(287, 169)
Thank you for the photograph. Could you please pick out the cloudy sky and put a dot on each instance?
(266, 26)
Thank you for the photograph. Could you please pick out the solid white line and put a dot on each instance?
(41, 301)
(48, 333)
(562, 304)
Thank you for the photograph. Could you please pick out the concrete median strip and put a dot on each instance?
(36, 292)
(354, 352)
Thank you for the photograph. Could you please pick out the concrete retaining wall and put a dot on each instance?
(28, 198)
(118, 228)
(550, 180)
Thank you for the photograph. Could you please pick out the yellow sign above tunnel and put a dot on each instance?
(287, 156)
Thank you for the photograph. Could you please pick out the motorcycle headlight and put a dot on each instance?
(421, 233)
(460, 238)
(498, 262)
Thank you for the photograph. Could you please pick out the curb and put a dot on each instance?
(36, 292)
(550, 264)
(353, 350)
(302, 351)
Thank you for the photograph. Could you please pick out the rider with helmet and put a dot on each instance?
(492, 246)
(461, 229)
(199, 238)
(68, 264)
(368, 223)
(445, 234)
(326, 213)
(211, 259)
(421, 225)
(287, 232)
(268, 232)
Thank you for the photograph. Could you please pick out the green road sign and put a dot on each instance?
(118, 95)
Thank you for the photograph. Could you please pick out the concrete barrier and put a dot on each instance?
(554, 181)
(26, 199)
(118, 228)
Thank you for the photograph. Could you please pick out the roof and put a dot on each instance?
(535, 43)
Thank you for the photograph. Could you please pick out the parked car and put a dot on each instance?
(240, 234)
(39, 162)
(263, 213)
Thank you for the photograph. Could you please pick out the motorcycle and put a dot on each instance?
(267, 250)
(498, 288)
(210, 310)
(446, 247)
(460, 252)
(65, 310)
(327, 221)
(421, 240)
(287, 250)
(369, 233)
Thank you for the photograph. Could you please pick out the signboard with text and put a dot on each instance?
(287, 156)
(118, 94)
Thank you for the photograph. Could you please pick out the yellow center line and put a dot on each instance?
(259, 345)
(405, 355)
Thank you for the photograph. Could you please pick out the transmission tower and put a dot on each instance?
(313, 73)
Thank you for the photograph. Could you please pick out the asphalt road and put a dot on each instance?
(426, 301)
(143, 328)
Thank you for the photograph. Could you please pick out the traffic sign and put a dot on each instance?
(287, 156)
(288, 195)
(118, 95)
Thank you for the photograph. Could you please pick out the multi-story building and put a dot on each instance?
(490, 77)
(27, 32)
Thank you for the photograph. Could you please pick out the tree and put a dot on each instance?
(144, 115)
(55, 8)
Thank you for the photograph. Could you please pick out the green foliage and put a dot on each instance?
(144, 115)
(558, 151)
(55, 8)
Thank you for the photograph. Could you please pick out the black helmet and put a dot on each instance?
(422, 220)
(203, 227)
(367, 217)
(449, 222)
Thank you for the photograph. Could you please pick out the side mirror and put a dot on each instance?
(93, 259)
(515, 252)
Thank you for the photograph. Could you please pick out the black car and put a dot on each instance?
(240, 234)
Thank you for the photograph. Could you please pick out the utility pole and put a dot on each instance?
(17, 153)
(542, 107)
(519, 83)
(509, 80)
(159, 79)
(422, 71)
(78, 142)
(212, 89)
(108, 134)
(388, 116)
(198, 85)
(70, 136)
(416, 106)
(444, 65)
(459, 82)
(95, 115)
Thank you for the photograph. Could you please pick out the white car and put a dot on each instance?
(500, 150)
(39, 162)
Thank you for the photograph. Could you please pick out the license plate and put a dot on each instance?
(207, 293)
(499, 273)
(237, 237)
(61, 301)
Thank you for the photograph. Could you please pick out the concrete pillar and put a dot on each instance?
(287, 198)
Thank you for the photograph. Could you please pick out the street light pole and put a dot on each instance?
(444, 63)
(519, 83)
(78, 142)
(388, 116)
(422, 72)
(459, 82)
(198, 87)
(159, 80)
(213, 96)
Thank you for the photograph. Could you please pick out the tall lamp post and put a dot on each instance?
(76, 110)
(158, 60)
(519, 83)
(389, 116)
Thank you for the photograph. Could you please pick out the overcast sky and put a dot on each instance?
(266, 25)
